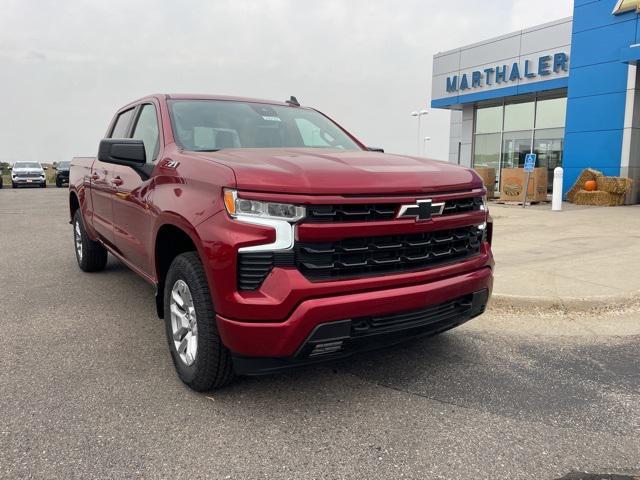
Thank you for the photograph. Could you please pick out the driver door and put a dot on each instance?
(133, 217)
(102, 187)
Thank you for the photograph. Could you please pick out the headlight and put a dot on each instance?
(241, 207)
(483, 207)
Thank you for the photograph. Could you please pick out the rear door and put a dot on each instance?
(102, 188)
(133, 218)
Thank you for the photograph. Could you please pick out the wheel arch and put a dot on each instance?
(74, 204)
(172, 238)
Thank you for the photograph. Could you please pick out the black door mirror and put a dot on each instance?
(122, 151)
(375, 149)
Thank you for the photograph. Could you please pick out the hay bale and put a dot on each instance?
(617, 185)
(586, 175)
(598, 198)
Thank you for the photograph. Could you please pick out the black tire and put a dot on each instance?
(94, 256)
(13, 185)
(58, 184)
(43, 185)
(213, 366)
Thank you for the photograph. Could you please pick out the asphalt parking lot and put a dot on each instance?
(88, 390)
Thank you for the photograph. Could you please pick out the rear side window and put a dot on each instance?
(122, 124)
(147, 130)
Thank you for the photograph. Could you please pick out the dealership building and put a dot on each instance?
(567, 90)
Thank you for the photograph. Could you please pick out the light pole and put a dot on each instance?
(419, 114)
(426, 141)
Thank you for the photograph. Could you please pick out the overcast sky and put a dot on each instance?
(65, 67)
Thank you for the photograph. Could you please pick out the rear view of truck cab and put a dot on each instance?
(274, 238)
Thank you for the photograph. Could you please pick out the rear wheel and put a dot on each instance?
(91, 256)
(201, 360)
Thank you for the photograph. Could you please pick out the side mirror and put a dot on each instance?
(375, 149)
(122, 151)
(45, 168)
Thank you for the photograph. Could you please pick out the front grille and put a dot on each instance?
(381, 211)
(441, 313)
(388, 254)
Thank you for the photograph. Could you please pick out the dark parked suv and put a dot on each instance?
(62, 174)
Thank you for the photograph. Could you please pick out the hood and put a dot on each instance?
(339, 172)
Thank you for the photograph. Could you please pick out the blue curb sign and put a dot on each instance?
(530, 162)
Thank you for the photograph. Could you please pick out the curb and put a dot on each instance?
(594, 304)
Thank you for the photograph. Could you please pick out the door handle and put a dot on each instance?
(117, 181)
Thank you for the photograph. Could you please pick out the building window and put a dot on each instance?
(515, 145)
(549, 145)
(519, 116)
(489, 119)
(551, 113)
(505, 133)
(487, 150)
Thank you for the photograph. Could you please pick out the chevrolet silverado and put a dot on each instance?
(274, 238)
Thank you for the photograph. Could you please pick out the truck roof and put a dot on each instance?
(198, 96)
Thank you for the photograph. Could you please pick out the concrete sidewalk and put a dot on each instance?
(578, 259)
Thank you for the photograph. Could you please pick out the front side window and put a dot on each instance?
(122, 124)
(146, 129)
(211, 125)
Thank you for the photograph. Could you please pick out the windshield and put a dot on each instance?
(63, 165)
(27, 165)
(210, 125)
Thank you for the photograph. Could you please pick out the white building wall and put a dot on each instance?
(455, 135)
(461, 136)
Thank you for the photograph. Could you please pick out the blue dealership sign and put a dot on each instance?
(543, 67)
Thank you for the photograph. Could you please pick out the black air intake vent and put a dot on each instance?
(253, 268)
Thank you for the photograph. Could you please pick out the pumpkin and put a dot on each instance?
(590, 185)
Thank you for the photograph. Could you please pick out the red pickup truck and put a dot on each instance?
(274, 238)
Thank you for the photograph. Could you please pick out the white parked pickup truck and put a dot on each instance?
(28, 173)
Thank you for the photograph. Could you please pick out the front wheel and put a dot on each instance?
(43, 185)
(91, 256)
(203, 363)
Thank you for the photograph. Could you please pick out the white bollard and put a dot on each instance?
(556, 196)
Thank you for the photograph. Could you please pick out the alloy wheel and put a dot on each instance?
(184, 326)
(78, 238)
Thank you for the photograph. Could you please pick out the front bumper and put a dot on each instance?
(265, 347)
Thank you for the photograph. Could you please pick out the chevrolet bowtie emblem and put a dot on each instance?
(422, 210)
(626, 6)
